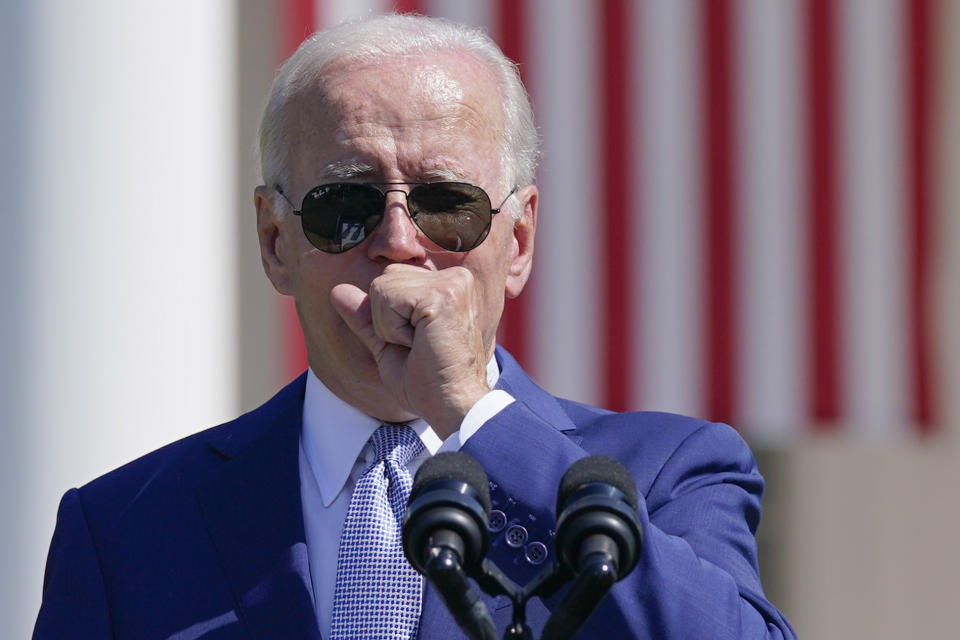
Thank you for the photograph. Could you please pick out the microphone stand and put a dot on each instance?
(468, 610)
(598, 535)
(597, 575)
(545, 584)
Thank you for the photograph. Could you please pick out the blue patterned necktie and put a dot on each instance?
(377, 593)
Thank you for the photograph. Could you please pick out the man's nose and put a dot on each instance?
(396, 238)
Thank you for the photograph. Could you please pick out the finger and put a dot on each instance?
(392, 302)
(353, 305)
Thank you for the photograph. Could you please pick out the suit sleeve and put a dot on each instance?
(697, 576)
(74, 598)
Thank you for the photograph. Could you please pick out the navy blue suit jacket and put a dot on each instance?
(204, 538)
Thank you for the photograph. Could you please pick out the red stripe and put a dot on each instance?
(618, 193)
(823, 229)
(511, 35)
(719, 210)
(298, 20)
(408, 6)
(919, 36)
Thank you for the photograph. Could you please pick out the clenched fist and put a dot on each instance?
(423, 329)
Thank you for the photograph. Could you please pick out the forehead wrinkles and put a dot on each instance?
(417, 105)
(448, 89)
(437, 82)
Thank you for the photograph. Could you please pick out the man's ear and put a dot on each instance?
(524, 230)
(273, 251)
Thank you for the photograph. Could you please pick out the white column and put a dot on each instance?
(119, 293)
(15, 535)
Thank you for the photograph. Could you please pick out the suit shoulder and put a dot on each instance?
(189, 451)
(178, 465)
(648, 424)
(651, 440)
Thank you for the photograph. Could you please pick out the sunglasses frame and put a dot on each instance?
(413, 217)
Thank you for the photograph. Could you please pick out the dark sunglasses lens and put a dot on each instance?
(337, 217)
(454, 215)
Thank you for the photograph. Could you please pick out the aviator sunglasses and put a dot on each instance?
(338, 216)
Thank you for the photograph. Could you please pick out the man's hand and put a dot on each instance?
(423, 329)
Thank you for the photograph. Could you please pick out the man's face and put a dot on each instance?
(416, 119)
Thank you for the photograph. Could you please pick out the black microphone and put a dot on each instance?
(445, 535)
(598, 538)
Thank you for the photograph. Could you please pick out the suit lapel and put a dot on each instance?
(253, 514)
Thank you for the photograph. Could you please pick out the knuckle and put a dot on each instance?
(378, 288)
(460, 279)
(463, 274)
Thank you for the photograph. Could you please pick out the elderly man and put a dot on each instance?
(398, 210)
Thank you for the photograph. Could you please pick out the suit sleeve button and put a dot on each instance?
(535, 552)
(497, 520)
(516, 536)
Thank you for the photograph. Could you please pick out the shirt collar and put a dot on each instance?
(335, 433)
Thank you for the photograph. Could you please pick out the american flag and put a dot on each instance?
(737, 204)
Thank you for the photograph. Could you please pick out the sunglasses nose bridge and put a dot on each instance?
(402, 198)
(398, 225)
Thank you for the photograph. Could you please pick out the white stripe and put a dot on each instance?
(332, 12)
(874, 288)
(565, 293)
(945, 244)
(770, 235)
(669, 258)
(473, 12)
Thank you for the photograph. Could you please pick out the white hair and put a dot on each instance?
(380, 36)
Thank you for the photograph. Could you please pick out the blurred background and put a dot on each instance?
(750, 211)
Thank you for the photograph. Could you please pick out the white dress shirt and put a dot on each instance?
(334, 453)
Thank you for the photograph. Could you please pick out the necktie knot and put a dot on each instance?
(396, 443)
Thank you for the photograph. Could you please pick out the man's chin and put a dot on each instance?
(364, 390)
(394, 417)
(377, 402)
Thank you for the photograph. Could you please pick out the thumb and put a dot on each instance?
(353, 305)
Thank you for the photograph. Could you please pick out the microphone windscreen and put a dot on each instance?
(453, 465)
(597, 469)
